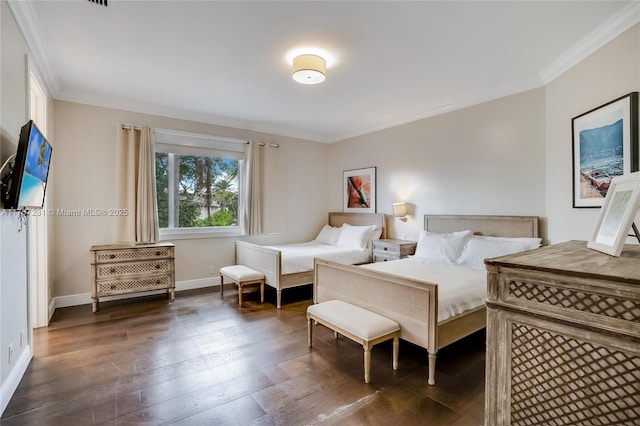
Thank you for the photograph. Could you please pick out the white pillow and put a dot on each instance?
(479, 248)
(377, 233)
(532, 242)
(355, 236)
(328, 235)
(441, 248)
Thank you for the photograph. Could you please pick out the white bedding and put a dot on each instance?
(460, 288)
(299, 257)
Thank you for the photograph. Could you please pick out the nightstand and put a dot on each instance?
(387, 249)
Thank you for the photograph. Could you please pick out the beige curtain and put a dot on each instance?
(252, 220)
(137, 185)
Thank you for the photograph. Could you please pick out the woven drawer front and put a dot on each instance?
(134, 268)
(559, 380)
(126, 286)
(137, 254)
(610, 306)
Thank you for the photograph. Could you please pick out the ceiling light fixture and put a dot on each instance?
(309, 69)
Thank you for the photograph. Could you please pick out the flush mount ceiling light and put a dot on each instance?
(309, 69)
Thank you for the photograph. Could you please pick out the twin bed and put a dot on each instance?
(291, 265)
(437, 296)
(436, 303)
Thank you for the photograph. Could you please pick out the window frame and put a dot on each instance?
(204, 145)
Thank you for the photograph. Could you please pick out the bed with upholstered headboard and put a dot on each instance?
(285, 266)
(407, 290)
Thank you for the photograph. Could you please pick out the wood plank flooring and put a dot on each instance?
(202, 360)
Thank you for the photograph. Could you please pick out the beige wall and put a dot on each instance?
(14, 313)
(609, 73)
(295, 196)
(486, 159)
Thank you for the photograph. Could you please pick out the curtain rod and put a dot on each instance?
(272, 145)
(131, 127)
(134, 127)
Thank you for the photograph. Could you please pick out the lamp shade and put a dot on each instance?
(309, 69)
(400, 209)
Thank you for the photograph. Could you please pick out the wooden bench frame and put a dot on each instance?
(367, 345)
(242, 283)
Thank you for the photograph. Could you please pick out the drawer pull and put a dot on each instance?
(158, 253)
(158, 281)
(112, 256)
(113, 286)
(386, 248)
(158, 266)
(112, 270)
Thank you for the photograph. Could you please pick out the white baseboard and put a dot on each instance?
(10, 385)
(85, 298)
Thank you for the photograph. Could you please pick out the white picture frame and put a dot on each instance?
(617, 214)
(359, 190)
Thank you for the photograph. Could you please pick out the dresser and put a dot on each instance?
(563, 337)
(130, 268)
(389, 249)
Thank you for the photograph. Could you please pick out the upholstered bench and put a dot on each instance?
(358, 324)
(241, 276)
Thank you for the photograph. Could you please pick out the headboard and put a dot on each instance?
(497, 226)
(338, 219)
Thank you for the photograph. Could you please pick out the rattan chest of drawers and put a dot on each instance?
(563, 337)
(130, 268)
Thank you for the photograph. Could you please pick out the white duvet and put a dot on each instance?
(460, 288)
(299, 257)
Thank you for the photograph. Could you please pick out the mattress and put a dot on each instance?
(460, 288)
(299, 257)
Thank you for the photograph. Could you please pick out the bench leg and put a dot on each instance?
(221, 286)
(432, 369)
(278, 298)
(309, 331)
(240, 295)
(367, 362)
(396, 348)
(262, 291)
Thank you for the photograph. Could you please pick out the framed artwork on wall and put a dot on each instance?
(616, 217)
(360, 190)
(605, 145)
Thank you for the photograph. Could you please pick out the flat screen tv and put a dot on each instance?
(28, 178)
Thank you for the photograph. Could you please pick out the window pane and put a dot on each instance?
(202, 191)
(162, 188)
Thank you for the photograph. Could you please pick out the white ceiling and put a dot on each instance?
(390, 62)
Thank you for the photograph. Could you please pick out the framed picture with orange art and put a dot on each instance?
(360, 190)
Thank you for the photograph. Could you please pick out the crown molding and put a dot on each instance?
(617, 24)
(28, 24)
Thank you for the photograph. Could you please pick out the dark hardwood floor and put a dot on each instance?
(202, 360)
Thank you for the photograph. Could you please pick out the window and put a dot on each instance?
(198, 183)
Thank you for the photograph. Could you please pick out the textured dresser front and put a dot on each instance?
(563, 337)
(130, 268)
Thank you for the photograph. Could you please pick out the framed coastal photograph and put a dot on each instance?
(605, 145)
(360, 190)
(616, 217)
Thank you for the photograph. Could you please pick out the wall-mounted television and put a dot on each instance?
(28, 178)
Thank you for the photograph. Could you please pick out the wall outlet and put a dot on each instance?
(10, 352)
(212, 270)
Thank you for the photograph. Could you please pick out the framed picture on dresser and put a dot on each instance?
(605, 145)
(616, 217)
(360, 190)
